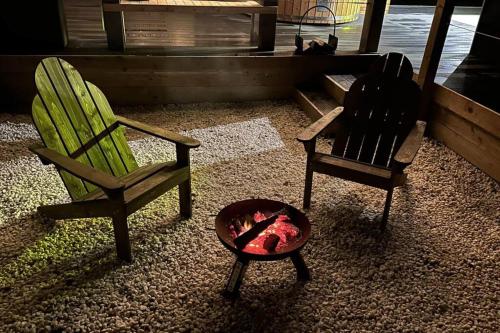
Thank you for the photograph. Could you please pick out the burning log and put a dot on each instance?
(271, 242)
(242, 240)
(236, 225)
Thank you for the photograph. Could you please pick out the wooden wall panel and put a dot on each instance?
(469, 128)
(129, 80)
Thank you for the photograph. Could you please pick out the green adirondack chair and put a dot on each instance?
(86, 143)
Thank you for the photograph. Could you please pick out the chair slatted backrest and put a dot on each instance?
(379, 111)
(74, 118)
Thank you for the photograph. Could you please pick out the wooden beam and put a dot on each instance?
(433, 51)
(267, 26)
(372, 25)
(191, 7)
(130, 80)
(114, 26)
(267, 32)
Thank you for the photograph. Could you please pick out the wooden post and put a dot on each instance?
(267, 31)
(372, 25)
(433, 50)
(267, 27)
(115, 28)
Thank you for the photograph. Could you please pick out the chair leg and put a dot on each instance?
(308, 187)
(387, 207)
(185, 198)
(122, 240)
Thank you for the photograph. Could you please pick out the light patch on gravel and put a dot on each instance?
(435, 269)
(219, 143)
(12, 132)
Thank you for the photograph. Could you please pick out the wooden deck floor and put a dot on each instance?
(405, 30)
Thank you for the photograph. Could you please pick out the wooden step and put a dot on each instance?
(315, 101)
(338, 85)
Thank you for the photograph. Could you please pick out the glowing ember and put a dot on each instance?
(282, 228)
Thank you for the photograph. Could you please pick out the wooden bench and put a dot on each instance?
(266, 11)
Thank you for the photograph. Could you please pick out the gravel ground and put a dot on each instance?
(435, 269)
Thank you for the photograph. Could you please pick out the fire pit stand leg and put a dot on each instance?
(301, 267)
(234, 282)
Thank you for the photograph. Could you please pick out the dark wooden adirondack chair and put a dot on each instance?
(86, 143)
(377, 132)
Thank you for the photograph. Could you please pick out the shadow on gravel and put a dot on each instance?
(57, 279)
(30, 276)
(247, 314)
(15, 150)
(19, 234)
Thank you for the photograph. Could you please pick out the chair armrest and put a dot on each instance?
(109, 183)
(159, 132)
(313, 130)
(410, 146)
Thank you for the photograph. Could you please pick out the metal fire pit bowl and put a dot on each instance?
(291, 250)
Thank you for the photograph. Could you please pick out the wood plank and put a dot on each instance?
(353, 171)
(483, 141)
(160, 132)
(79, 209)
(205, 7)
(61, 121)
(319, 125)
(372, 25)
(482, 116)
(307, 105)
(117, 137)
(107, 145)
(94, 176)
(140, 64)
(51, 139)
(194, 75)
(132, 179)
(319, 98)
(74, 111)
(154, 186)
(114, 26)
(467, 146)
(267, 31)
(408, 150)
(333, 88)
(433, 52)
